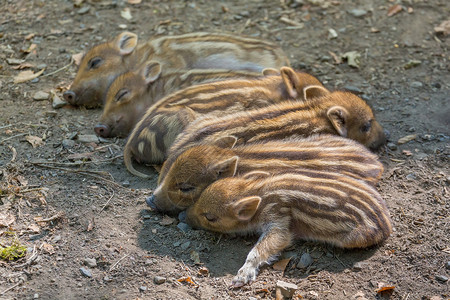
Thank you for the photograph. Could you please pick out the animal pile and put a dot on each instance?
(246, 143)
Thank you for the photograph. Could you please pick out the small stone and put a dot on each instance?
(359, 266)
(106, 278)
(123, 26)
(142, 288)
(441, 278)
(357, 12)
(51, 113)
(237, 17)
(407, 139)
(36, 296)
(305, 261)
(72, 135)
(176, 244)
(411, 177)
(56, 238)
(245, 13)
(90, 262)
(392, 146)
(416, 84)
(286, 289)
(88, 138)
(183, 227)
(146, 217)
(84, 10)
(126, 183)
(14, 61)
(186, 245)
(66, 143)
(40, 96)
(86, 272)
(448, 265)
(58, 102)
(35, 80)
(41, 66)
(421, 156)
(159, 279)
(436, 85)
(332, 34)
(353, 89)
(411, 64)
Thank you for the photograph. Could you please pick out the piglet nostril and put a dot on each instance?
(70, 96)
(151, 202)
(102, 130)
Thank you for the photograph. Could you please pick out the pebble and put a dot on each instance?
(41, 66)
(353, 89)
(245, 13)
(58, 102)
(286, 289)
(186, 245)
(86, 272)
(411, 177)
(142, 288)
(357, 12)
(90, 262)
(392, 146)
(106, 278)
(436, 85)
(72, 135)
(183, 227)
(84, 10)
(126, 183)
(441, 278)
(39, 96)
(51, 113)
(123, 26)
(332, 34)
(359, 265)
(421, 156)
(159, 279)
(305, 261)
(448, 265)
(416, 84)
(66, 143)
(35, 80)
(56, 238)
(36, 296)
(14, 61)
(88, 138)
(237, 17)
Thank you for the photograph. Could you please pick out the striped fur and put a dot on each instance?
(131, 94)
(339, 113)
(197, 167)
(156, 131)
(190, 51)
(325, 206)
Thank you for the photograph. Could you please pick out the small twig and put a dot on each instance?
(10, 288)
(14, 153)
(107, 202)
(117, 262)
(57, 216)
(340, 261)
(6, 126)
(12, 137)
(29, 260)
(33, 190)
(60, 69)
(77, 163)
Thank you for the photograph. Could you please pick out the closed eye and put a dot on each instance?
(186, 188)
(366, 127)
(210, 217)
(94, 63)
(120, 94)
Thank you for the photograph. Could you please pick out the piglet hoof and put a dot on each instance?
(151, 202)
(244, 276)
(182, 216)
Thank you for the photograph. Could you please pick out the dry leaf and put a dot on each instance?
(443, 28)
(134, 1)
(407, 152)
(195, 257)
(35, 141)
(406, 139)
(385, 289)
(126, 14)
(23, 66)
(91, 225)
(77, 58)
(30, 49)
(203, 271)
(6, 220)
(30, 36)
(281, 264)
(27, 75)
(22, 180)
(187, 280)
(393, 10)
(48, 248)
(166, 220)
(337, 59)
(35, 228)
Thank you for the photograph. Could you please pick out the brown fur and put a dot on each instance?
(199, 166)
(324, 206)
(339, 113)
(189, 51)
(156, 131)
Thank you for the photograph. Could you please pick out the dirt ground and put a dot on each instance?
(70, 200)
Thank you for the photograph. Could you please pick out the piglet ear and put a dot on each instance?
(245, 208)
(151, 71)
(226, 168)
(270, 71)
(256, 175)
(225, 141)
(338, 117)
(291, 81)
(314, 91)
(126, 42)
(187, 115)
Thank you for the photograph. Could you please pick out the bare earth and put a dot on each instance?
(80, 202)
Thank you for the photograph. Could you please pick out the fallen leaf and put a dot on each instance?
(385, 289)
(134, 1)
(203, 271)
(30, 36)
(48, 248)
(166, 220)
(30, 49)
(281, 264)
(22, 180)
(195, 257)
(407, 152)
(261, 291)
(27, 75)
(393, 10)
(77, 3)
(443, 28)
(407, 139)
(91, 225)
(187, 280)
(6, 220)
(337, 59)
(77, 58)
(35, 228)
(35, 141)
(23, 66)
(126, 14)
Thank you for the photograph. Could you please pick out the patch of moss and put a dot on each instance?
(13, 252)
